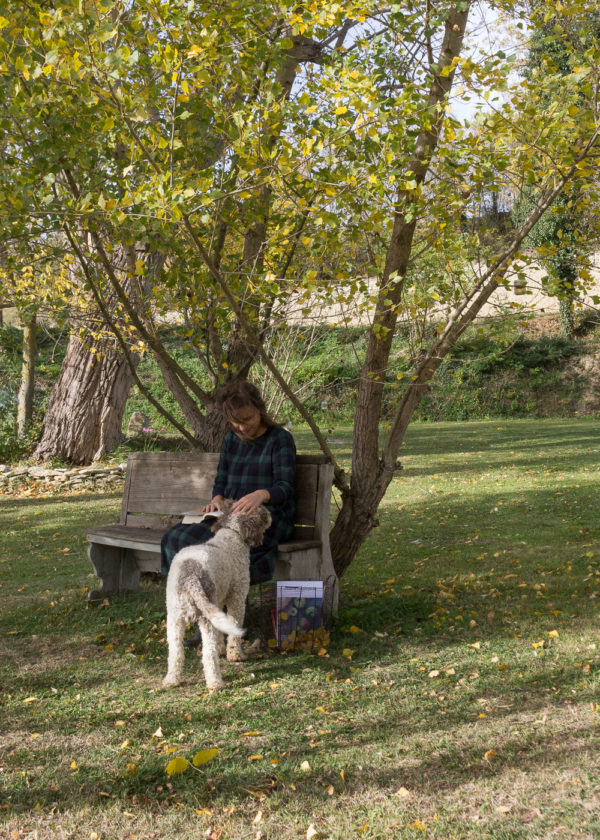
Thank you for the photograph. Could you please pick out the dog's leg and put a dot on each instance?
(175, 633)
(210, 656)
(236, 608)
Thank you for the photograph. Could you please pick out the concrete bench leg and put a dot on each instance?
(116, 568)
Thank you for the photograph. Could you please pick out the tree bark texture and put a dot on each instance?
(85, 412)
(25, 397)
(84, 417)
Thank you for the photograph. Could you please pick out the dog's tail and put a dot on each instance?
(220, 620)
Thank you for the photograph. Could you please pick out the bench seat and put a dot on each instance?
(161, 486)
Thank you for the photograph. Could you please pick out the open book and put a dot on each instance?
(190, 517)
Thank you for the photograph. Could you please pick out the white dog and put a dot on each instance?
(205, 578)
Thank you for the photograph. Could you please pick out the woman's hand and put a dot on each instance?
(214, 504)
(250, 502)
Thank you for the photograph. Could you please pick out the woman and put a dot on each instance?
(257, 466)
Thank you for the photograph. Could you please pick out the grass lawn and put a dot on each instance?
(458, 697)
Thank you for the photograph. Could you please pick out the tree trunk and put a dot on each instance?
(85, 414)
(25, 398)
(84, 417)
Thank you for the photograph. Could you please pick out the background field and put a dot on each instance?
(458, 696)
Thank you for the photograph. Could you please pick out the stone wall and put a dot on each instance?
(100, 478)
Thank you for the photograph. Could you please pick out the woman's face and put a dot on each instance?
(246, 422)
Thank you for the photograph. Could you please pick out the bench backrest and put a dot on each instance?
(161, 486)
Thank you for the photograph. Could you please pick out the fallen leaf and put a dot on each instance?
(355, 629)
(330, 790)
(403, 792)
(158, 733)
(176, 766)
(204, 756)
(305, 766)
(489, 755)
(311, 832)
(433, 674)
(258, 817)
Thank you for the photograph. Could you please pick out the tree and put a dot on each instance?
(290, 155)
(562, 235)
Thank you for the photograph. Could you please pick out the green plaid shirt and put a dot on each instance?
(268, 463)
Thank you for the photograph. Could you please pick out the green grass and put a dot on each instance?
(458, 697)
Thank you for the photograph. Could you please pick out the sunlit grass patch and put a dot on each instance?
(458, 696)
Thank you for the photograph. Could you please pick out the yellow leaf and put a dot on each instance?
(322, 710)
(342, 775)
(434, 673)
(124, 745)
(203, 812)
(204, 756)
(73, 765)
(403, 792)
(305, 766)
(489, 755)
(30, 700)
(330, 790)
(322, 652)
(176, 766)
(341, 109)
(255, 757)
(348, 652)
(476, 645)
(249, 734)
(355, 629)
(553, 634)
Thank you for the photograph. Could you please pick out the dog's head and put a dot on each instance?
(250, 526)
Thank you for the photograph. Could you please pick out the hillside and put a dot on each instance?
(497, 370)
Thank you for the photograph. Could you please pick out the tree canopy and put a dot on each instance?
(235, 155)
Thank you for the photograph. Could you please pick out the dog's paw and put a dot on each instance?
(216, 686)
(170, 682)
(236, 655)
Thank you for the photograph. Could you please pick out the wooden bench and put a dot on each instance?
(161, 486)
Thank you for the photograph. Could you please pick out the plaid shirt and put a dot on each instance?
(268, 463)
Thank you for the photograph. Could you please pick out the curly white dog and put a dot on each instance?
(205, 578)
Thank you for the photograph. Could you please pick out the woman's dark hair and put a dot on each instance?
(239, 393)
